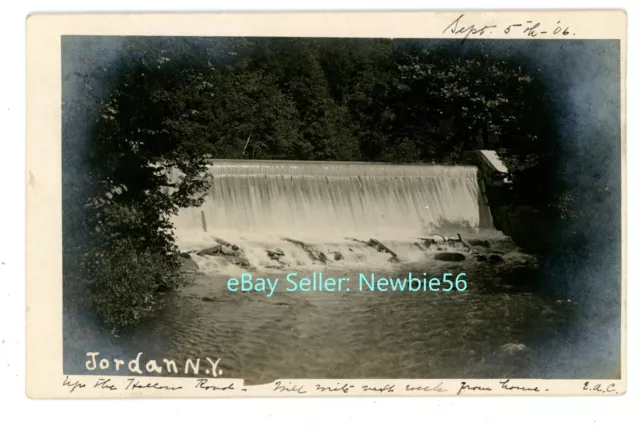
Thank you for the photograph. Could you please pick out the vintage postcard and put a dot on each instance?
(326, 204)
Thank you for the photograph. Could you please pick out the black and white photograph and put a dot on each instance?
(294, 208)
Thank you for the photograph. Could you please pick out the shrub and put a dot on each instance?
(125, 281)
(126, 262)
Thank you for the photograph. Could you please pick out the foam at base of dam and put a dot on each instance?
(255, 204)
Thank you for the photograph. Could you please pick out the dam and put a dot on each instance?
(262, 209)
(258, 205)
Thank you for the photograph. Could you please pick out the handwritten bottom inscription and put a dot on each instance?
(340, 388)
(133, 384)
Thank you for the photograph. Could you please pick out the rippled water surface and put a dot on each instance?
(489, 330)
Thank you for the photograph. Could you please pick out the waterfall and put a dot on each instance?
(261, 202)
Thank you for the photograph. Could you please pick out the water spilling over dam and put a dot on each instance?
(284, 215)
(255, 204)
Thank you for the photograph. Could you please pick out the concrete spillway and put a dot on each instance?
(261, 202)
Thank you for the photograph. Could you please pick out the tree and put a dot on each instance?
(147, 133)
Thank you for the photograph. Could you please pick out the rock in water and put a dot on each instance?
(380, 247)
(337, 256)
(313, 254)
(480, 243)
(228, 251)
(275, 253)
(240, 261)
(212, 251)
(449, 257)
(321, 256)
(208, 299)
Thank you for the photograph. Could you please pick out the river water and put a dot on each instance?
(498, 327)
(489, 330)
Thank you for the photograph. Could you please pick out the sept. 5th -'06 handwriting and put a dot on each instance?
(464, 28)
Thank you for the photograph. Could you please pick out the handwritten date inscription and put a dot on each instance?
(529, 29)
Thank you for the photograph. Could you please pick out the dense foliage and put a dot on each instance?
(174, 103)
